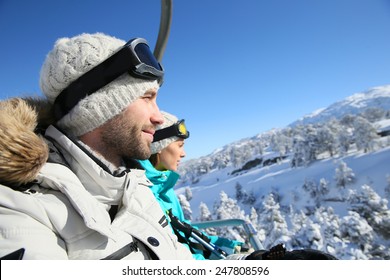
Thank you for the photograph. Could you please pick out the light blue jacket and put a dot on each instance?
(163, 183)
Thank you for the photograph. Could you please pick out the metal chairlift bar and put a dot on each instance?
(248, 227)
(220, 223)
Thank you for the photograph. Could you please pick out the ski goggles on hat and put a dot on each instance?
(178, 129)
(135, 58)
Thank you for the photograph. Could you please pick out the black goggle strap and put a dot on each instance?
(104, 73)
(178, 129)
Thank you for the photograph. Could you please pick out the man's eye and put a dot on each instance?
(149, 95)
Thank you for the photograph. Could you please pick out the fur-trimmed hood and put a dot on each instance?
(23, 151)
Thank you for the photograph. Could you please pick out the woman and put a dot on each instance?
(167, 152)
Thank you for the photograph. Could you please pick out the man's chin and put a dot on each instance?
(147, 152)
(144, 156)
(143, 153)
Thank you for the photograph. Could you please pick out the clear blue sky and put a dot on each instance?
(234, 68)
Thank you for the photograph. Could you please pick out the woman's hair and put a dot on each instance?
(154, 159)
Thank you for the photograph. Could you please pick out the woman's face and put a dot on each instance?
(171, 155)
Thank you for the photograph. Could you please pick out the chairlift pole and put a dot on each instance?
(208, 246)
(165, 27)
(188, 230)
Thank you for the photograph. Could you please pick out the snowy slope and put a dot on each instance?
(286, 183)
(369, 169)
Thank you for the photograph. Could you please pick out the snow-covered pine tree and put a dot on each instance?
(345, 140)
(330, 229)
(227, 208)
(305, 146)
(298, 221)
(205, 215)
(327, 140)
(188, 193)
(312, 148)
(185, 205)
(250, 198)
(239, 192)
(316, 191)
(355, 230)
(308, 236)
(373, 114)
(281, 143)
(364, 134)
(298, 152)
(204, 212)
(254, 219)
(273, 223)
(344, 175)
(373, 208)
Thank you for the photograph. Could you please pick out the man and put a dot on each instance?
(78, 193)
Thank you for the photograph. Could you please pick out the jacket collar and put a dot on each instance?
(97, 179)
(90, 187)
(162, 180)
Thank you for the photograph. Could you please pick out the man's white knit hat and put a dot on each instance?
(169, 120)
(70, 59)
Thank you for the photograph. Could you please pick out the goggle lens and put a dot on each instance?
(182, 128)
(145, 55)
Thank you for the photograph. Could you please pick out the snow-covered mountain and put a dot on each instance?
(377, 97)
(325, 185)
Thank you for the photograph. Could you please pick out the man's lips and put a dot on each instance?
(148, 132)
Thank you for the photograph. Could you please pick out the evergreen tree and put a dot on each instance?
(281, 143)
(373, 114)
(239, 192)
(348, 120)
(298, 151)
(188, 193)
(330, 230)
(205, 214)
(273, 223)
(344, 175)
(373, 208)
(312, 148)
(254, 219)
(364, 134)
(310, 186)
(305, 147)
(185, 205)
(345, 140)
(308, 236)
(244, 197)
(250, 198)
(357, 231)
(227, 208)
(298, 221)
(326, 140)
(316, 191)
